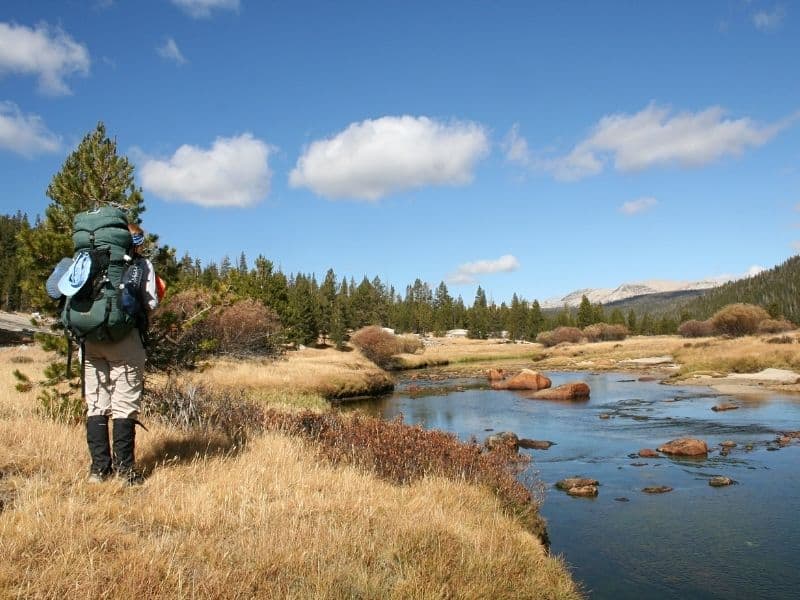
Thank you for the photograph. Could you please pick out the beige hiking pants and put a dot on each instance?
(115, 377)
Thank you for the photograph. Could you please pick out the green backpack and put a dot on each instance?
(95, 311)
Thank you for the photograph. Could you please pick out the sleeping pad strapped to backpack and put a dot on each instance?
(95, 311)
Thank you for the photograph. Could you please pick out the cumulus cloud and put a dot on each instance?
(754, 270)
(769, 21)
(200, 9)
(233, 172)
(468, 272)
(49, 53)
(652, 137)
(796, 246)
(25, 134)
(374, 158)
(170, 51)
(634, 207)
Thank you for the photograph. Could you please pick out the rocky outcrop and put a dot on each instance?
(502, 440)
(583, 491)
(568, 391)
(685, 447)
(535, 444)
(525, 380)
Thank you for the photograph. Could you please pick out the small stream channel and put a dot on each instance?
(741, 541)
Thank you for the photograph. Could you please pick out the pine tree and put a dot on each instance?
(585, 313)
(93, 175)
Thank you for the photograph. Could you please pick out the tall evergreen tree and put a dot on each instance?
(585, 313)
(92, 175)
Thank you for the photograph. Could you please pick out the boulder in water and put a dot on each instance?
(524, 380)
(685, 447)
(503, 439)
(568, 391)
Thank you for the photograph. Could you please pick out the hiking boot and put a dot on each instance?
(124, 443)
(99, 448)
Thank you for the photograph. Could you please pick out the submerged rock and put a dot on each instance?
(605, 416)
(720, 481)
(648, 453)
(535, 444)
(728, 444)
(622, 499)
(685, 447)
(525, 380)
(659, 489)
(568, 391)
(583, 491)
(724, 406)
(573, 482)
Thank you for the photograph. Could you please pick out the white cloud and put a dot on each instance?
(796, 246)
(768, 21)
(233, 172)
(634, 207)
(467, 272)
(202, 8)
(170, 51)
(374, 158)
(516, 147)
(653, 137)
(25, 134)
(49, 53)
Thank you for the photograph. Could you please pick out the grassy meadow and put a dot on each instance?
(268, 519)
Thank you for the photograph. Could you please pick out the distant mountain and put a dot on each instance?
(631, 290)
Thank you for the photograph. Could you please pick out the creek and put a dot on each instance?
(697, 541)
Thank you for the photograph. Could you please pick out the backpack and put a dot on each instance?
(95, 311)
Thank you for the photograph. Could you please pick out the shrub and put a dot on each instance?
(738, 319)
(775, 326)
(380, 346)
(783, 339)
(402, 454)
(695, 328)
(559, 335)
(194, 407)
(194, 324)
(605, 332)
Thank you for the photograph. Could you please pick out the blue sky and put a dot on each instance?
(529, 147)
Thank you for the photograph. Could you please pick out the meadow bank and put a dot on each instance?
(269, 518)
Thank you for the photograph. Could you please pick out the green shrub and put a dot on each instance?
(738, 319)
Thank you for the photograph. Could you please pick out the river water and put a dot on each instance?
(741, 541)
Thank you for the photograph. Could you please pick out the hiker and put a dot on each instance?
(110, 287)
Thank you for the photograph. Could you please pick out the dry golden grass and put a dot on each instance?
(445, 351)
(747, 354)
(305, 374)
(268, 520)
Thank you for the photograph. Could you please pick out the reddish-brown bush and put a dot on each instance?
(775, 326)
(694, 328)
(380, 346)
(194, 324)
(559, 335)
(402, 453)
(738, 319)
(605, 332)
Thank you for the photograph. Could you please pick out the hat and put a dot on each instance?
(76, 275)
(52, 282)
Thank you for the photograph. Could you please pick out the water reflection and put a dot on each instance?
(694, 542)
